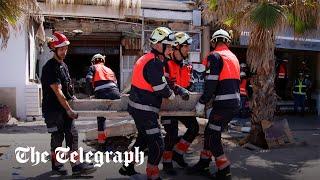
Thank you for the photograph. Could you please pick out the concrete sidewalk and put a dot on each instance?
(300, 161)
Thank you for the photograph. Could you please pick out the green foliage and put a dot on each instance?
(266, 15)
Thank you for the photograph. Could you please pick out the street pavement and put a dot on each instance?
(296, 161)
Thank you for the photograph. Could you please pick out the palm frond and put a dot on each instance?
(267, 15)
(10, 12)
(215, 10)
(303, 17)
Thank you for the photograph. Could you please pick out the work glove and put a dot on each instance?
(200, 110)
(184, 93)
(72, 114)
(172, 96)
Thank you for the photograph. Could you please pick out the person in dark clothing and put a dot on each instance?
(245, 95)
(178, 74)
(101, 81)
(148, 87)
(300, 86)
(310, 102)
(59, 116)
(282, 79)
(222, 85)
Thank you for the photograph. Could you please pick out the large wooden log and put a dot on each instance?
(118, 108)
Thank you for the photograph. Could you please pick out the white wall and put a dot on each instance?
(14, 68)
(46, 54)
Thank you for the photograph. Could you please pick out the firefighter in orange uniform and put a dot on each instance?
(245, 95)
(148, 87)
(102, 81)
(222, 84)
(282, 79)
(178, 74)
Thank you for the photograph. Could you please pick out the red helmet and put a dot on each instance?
(58, 40)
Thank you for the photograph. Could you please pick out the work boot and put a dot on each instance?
(202, 168)
(128, 170)
(83, 169)
(178, 158)
(223, 174)
(168, 169)
(60, 169)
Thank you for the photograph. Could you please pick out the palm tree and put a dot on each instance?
(263, 18)
(12, 10)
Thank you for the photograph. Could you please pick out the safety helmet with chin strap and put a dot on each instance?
(221, 34)
(96, 57)
(57, 40)
(182, 38)
(162, 35)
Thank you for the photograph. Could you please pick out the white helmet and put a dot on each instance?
(243, 74)
(162, 35)
(98, 56)
(243, 65)
(221, 34)
(183, 38)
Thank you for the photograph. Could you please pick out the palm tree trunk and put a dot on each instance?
(260, 56)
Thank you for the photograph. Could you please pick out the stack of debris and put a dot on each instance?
(5, 115)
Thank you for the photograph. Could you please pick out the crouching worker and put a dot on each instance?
(102, 82)
(58, 115)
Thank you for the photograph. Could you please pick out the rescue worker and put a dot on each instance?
(299, 93)
(178, 74)
(59, 116)
(245, 94)
(243, 68)
(148, 87)
(222, 85)
(304, 68)
(282, 79)
(309, 93)
(102, 81)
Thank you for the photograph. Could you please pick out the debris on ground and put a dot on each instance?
(3, 149)
(5, 115)
(251, 147)
(277, 133)
(240, 125)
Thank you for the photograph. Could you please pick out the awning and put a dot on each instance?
(286, 42)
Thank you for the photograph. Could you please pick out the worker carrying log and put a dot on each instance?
(178, 74)
(101, 81)
(222, 84)
(148, 87)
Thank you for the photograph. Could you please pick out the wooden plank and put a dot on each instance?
(121, 105)
(113, 114)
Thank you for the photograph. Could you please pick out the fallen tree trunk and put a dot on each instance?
(118, 108)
